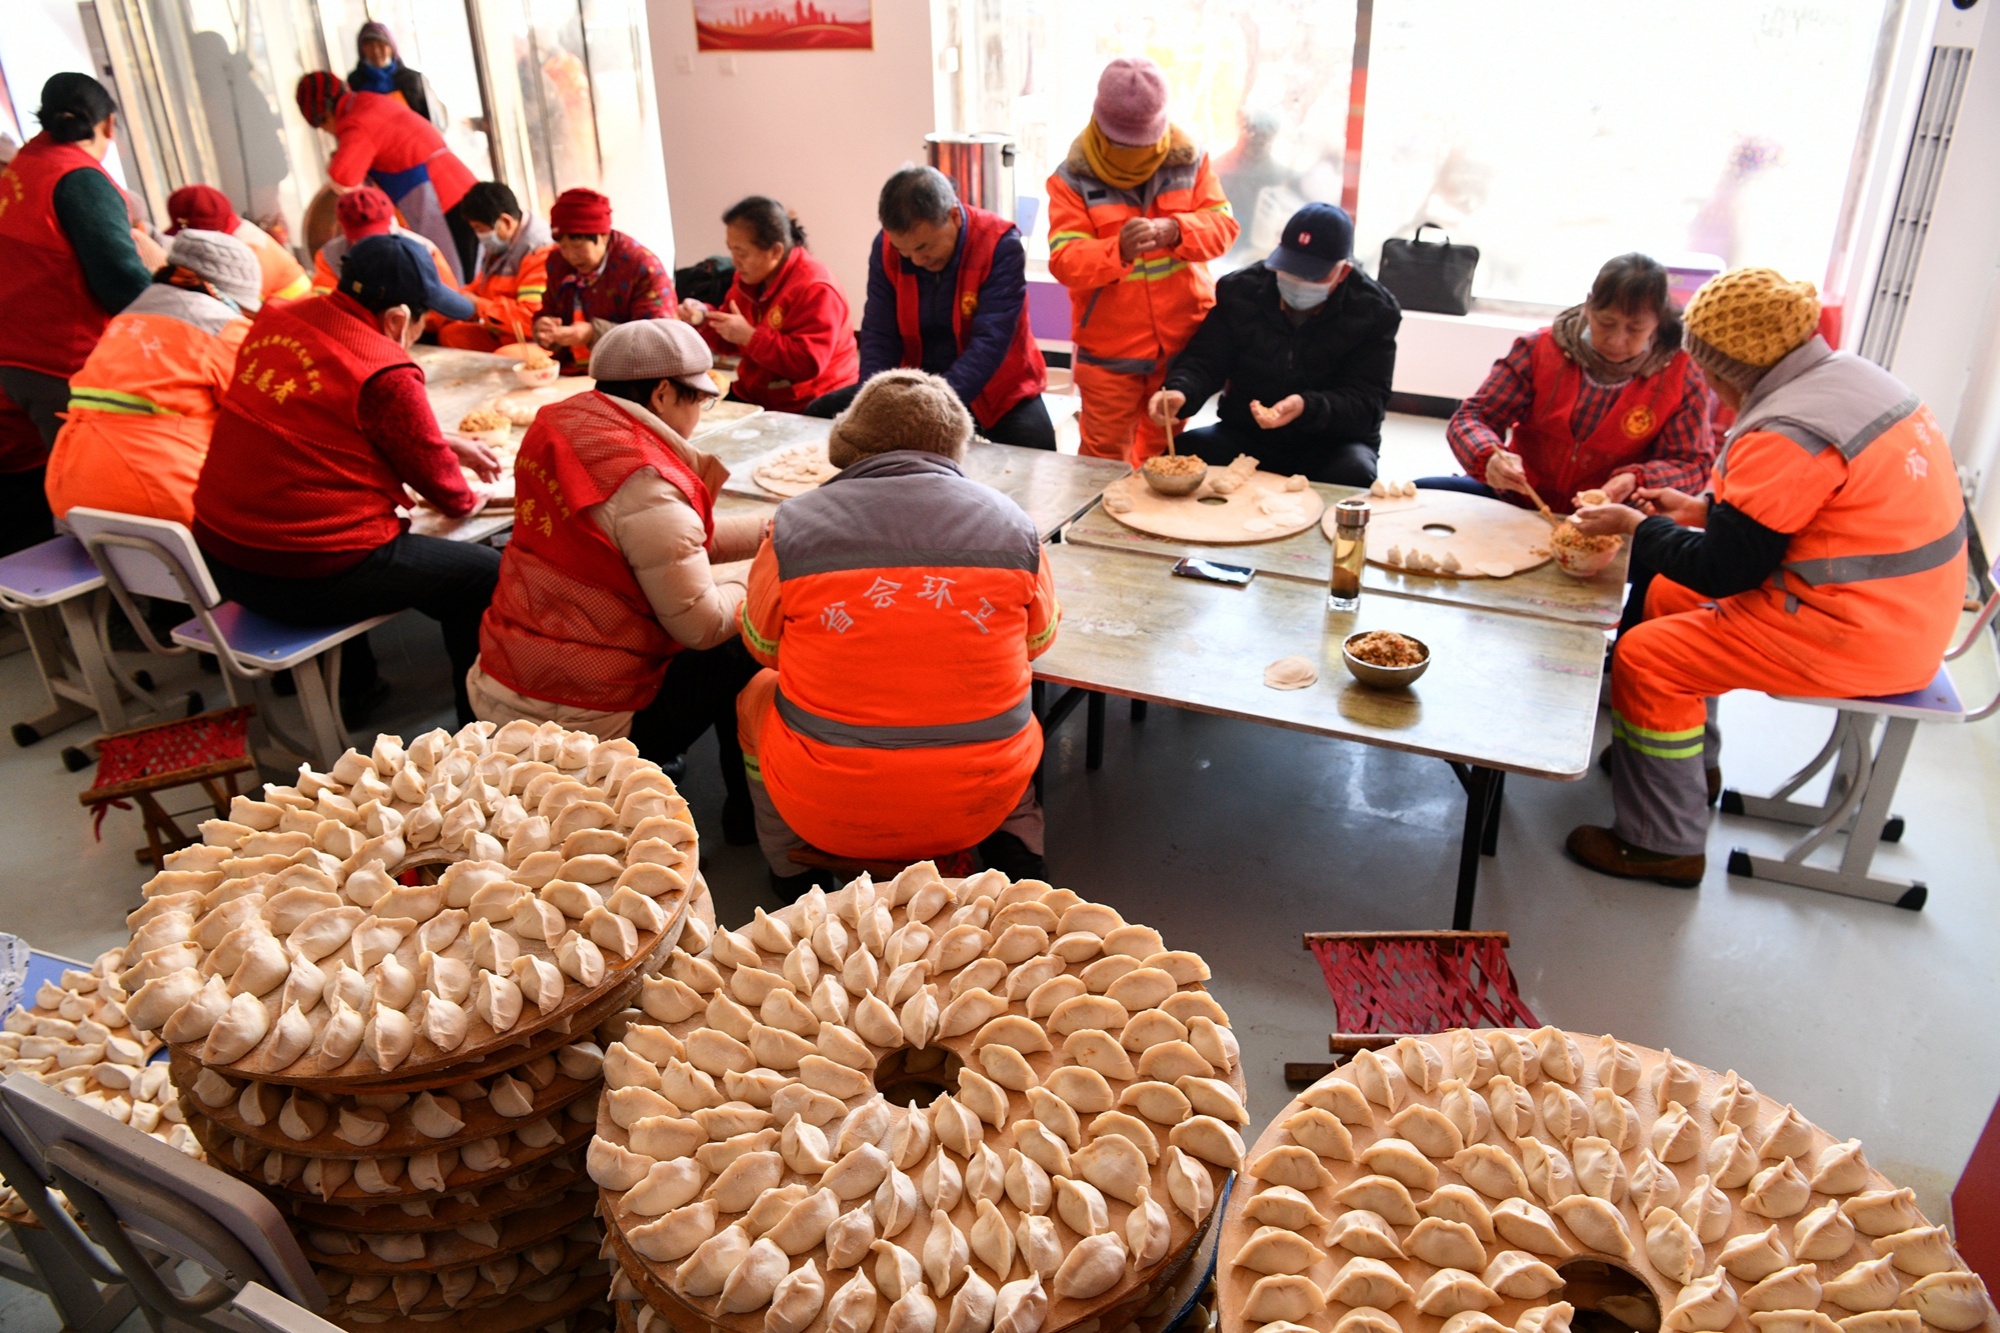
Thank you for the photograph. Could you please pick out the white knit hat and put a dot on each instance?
(226, 263)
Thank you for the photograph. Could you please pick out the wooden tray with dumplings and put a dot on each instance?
(447, 1250)
(485, 1308)
(539, 1183)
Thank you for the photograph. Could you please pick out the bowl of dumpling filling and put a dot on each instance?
(1174, 474)
(536, 369)
(1579, 554)
(1384, 658)
(487, 426)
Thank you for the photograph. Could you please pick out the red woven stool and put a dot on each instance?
(1388, 984)
(950, 865)
(208, 748)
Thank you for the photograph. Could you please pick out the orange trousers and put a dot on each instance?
(1114, 421)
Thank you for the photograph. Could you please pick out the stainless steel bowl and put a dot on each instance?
(1386, 678)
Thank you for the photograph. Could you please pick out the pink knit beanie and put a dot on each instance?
(1131, 104)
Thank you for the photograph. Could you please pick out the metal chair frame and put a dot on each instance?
(85, 1285)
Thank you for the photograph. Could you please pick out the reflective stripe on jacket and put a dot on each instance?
(569, 622)
(901, 604)
(1132, 318)
(39, 269)
(282, 277)
(1022, 373)
(143, 407)
(1841, 455)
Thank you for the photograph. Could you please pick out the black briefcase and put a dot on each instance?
(1429, 275)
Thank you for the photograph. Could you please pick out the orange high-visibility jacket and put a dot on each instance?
(327, 259)
(509, 287)
(1841, 455)
(283, 278)
(901, 604)
(143, 405)
(1132, 318)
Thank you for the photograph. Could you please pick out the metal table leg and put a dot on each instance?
(1482, 818)
(1093, 733)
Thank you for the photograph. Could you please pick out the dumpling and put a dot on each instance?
(1754, 1256)
(670, 1185)
(1381, 1081)
(1520, 1277)
(1275, 1250)
(1599, 1225)
(1387, 1198)
(1548, 1170)
(1672, 1246)
(1189, 1184)
(804, 1224)
(1790, 1135)
(1343, 1099)
(1869, 1285)
(1919, 1251)
(1020, 1307)
(1456, 1203)
(1881, 1212)
(797, 1301)
(1617, 1066)
(754, 1279)
(1444, 1244)
(1653, 1184)
(241, 1026)
(1450, 1291)
(1793, 1288)
(1793, 1321)
(1779, 1190)
(1293, 1297)
(1492, 1171)
(674, 1236)
(1708, 1302)
(1954, 1302)
(1562, 1060)
(1148, 1231)
(1822, 1234)
(1040, 1248)
(1521, 1224)
(1283, 1206)
(1840, 1169)
(1431, 1132)
(1093, 1267)
(1357, 1230)
(1115, 1165)
(1360, 1281)
(1210, 1139)
(1400, 1161)
(1600, 1168)
(991, 1239)
(1730, 1159)
(705, 1271)
(1546, 1319)
(1676, 1137)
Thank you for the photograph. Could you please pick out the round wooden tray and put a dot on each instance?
(1491, 538)
(574, 1312)
(499, 1307)
(481, 1121)
(216, 1142)
(1133, 1293)
(488, 1202)
(1235, 1282)
(483, 1051)
(1239, 518)
(788, 489)
(518, 1232)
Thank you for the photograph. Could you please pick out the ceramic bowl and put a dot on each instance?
(1387, 678)
(1173, 483)
(1583, 564)
(534, 377)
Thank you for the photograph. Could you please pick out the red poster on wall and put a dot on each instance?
(765, 25)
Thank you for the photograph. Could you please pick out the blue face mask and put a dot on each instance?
(1300, 294)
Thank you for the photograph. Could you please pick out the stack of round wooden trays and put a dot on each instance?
(1150, 1301)
(540, 1200)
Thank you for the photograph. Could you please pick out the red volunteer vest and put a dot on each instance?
(1022, 373)
(569, 623)
(1557, 463)
(787, 292)
(39, 271)
(288, 468)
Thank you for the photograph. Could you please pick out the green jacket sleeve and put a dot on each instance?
(92, 214)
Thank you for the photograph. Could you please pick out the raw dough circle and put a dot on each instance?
(1608, 1128)
(874, 951)
(793, 470)
(1263, 508)
(1291, 673)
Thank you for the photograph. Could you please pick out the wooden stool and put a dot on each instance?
(208, 748)
(1388, 984)
(951, 865)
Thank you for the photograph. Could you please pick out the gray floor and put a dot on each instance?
(1232, 839)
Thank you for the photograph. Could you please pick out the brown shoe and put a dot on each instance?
(1605, 852)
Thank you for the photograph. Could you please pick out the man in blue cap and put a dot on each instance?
(1302, 347)
(324, 426)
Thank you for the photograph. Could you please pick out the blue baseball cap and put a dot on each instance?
(393, 270)
(1318, 237)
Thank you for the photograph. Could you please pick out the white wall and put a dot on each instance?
(819, 130)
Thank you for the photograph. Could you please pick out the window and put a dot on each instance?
(1552, 136)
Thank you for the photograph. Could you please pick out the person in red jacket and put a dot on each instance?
(1604, 399)
(70, 255)
(205, 208)
(597, 278)
(784, 315)
(324, 426)
(948, 293)
(382, 141)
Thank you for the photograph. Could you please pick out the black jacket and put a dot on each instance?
(1340, 358)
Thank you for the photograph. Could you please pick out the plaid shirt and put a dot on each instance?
(630, 284)
(1683, 453)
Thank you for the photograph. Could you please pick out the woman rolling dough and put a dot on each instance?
(1603, 399)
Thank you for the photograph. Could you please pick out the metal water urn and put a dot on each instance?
(980, 165)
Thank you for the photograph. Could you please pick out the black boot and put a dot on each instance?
(1010, 856)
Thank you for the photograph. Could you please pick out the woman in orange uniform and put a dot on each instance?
(1827, 560)
(1135, 213)
(1603, 399)
(142, 407)
(206, 208)
(784, 315)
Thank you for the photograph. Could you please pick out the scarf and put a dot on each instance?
(1118, 166)
(1572, 334)
(368, 78)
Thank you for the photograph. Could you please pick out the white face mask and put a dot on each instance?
(1302, 295)
(493, 243)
